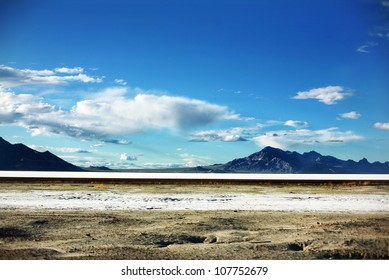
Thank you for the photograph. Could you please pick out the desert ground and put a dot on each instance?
(44, 233)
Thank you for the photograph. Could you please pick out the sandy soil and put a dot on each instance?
(191, 234)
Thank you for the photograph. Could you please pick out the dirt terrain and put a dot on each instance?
(189, 234)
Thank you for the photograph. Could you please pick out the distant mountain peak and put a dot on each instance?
(272, 151)
(269, 149)
(364, 160)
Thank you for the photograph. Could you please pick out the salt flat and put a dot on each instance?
(121, 200)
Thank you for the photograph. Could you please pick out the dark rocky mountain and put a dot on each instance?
(272, 160)
(21, 157)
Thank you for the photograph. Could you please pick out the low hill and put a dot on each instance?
(20, 157)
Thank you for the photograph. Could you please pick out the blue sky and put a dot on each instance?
(143, 84)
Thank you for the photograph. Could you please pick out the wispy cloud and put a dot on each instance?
(116, 141)
(235, 134)
(350, 115)
(97, 145)
(381, 29)
(195, 160)
(11, 77)
(157, 165)
(229, 135)
(120, 82)
(365, 48)
(381, 125)
(302, 137)
(109, 113)
(59, 149)
(328, 95)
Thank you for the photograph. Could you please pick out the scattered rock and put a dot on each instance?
(295, 247)
(210, 239)
(349, 242)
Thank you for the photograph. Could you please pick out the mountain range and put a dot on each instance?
(268, 160)
(273, 160)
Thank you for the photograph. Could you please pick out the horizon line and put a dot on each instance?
(190, 176)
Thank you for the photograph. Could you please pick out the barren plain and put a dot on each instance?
(46, 232)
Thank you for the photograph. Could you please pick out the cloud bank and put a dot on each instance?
(284, 139)
(108, 113)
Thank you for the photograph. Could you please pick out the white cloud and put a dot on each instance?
(291, 138)
(380, 125)
(13, 107)
(296, 123)
(121, 82)
(11, 77)
(114, 113)
(65, 70)
(350, 115)
(109, 113)
(125, 157)
(124, 142)
(55, 80)
(327, 95)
